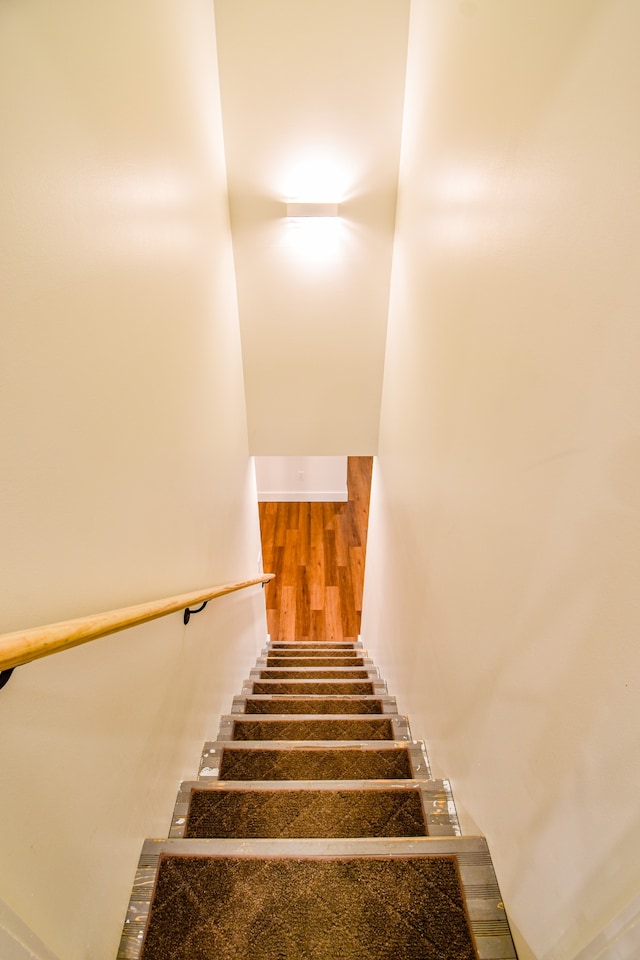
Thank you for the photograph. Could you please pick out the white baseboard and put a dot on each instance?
(303, 496)
(620, 939)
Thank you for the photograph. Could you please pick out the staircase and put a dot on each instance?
(315, 831)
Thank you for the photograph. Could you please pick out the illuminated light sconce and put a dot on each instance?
(313, 209)
(313, 231)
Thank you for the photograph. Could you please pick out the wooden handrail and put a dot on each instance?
(26, 645)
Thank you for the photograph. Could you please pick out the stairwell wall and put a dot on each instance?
(503, 560)
(125, 470)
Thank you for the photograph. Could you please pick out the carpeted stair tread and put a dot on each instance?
(266, 864)
(335, 654)
(286, 908)
(320, 705)
(305, 813)
(313, 687)
(318, 674)
(376, 728)
(275, 661)
(312, 644)
(331, 763)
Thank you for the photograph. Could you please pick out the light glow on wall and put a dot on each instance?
(315, 240)
(462, 186)
(316, 177)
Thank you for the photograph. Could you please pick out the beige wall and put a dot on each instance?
(301, 478)
(312, 107)
(124, 457)
(501, 597)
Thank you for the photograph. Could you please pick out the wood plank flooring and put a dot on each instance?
(317, 551)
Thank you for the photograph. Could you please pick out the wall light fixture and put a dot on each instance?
(313, 209)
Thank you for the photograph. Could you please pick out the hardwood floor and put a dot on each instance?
(317, 551)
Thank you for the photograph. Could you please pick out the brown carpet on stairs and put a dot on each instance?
(314, 662)
(300, 645)
(346, 674)
(367, 729)
(320, 705)
(336, 763)
(276, 814)
(351, 908)
(314, 687)
(326, 652)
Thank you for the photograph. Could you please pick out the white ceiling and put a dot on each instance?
(312, 98)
